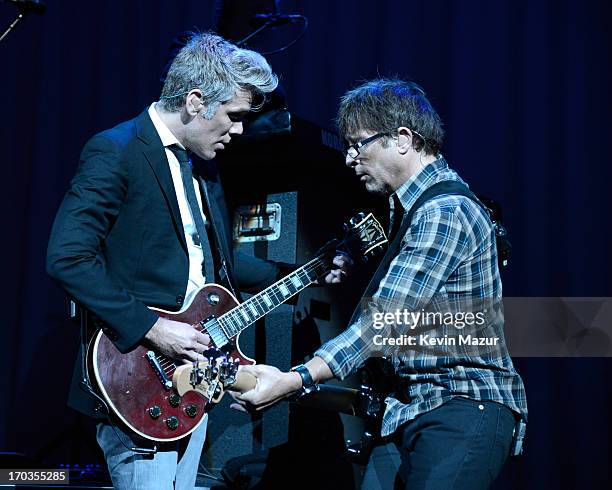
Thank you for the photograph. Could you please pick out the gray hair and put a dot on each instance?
(385, 104)
(218, 68)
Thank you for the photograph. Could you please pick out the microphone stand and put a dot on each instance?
(276, 20)
(25, 7)
(13, 24)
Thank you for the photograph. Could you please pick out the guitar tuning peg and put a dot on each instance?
(373, 253)
(357, 218)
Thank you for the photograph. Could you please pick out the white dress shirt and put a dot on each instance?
(196, 256)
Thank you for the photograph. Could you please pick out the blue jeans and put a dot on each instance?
(174, 466)
(462, 444)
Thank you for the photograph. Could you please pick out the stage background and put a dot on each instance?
(523, 88)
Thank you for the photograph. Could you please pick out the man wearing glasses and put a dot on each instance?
(457, 414)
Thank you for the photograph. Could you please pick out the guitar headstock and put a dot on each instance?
(211, 377)
(202, 377)
(365, 236)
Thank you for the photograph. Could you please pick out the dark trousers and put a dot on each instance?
(462, 444)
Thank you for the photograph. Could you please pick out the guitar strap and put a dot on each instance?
(445, 187)
(226, 273)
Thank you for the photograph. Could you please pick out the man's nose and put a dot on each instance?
(236, 128)
(350, 161)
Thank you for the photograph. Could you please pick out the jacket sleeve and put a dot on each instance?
(75, 255)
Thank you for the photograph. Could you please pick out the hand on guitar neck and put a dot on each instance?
(342, 265)
(177, 340)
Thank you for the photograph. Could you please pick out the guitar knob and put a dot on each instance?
(172, 423)
(213, 298)
(155, 411)
(174, 400)
(191, 410)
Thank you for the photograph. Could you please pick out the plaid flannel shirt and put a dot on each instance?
(447, 253)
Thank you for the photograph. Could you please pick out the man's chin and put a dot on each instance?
(372, 188)
(212, 152)
(207, 155)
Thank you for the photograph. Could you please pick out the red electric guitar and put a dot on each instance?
(162, 401)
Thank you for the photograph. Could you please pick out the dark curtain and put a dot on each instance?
(523, 88)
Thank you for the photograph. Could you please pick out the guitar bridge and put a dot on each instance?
(159, 371)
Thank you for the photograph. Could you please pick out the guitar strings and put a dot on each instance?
(232, 320)
(234, 326)
(169, 366)
(225, 320)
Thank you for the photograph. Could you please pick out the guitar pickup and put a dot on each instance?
(257, 223)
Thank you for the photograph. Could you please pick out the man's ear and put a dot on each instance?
(404, 140)
(193, 102)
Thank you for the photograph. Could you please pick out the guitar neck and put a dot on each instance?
(236, 320)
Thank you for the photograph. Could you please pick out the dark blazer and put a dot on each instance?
(118, 245)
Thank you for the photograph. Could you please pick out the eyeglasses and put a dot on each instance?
(353, 150)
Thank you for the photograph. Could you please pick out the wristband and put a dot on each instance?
(307, 380)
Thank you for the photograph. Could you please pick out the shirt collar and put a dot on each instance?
(409, 191)
(166, 136)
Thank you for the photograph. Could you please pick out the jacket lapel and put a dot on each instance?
(155, 154)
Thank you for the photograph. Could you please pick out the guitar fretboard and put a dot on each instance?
(247, 313)
(257, 306)
(365, 235)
